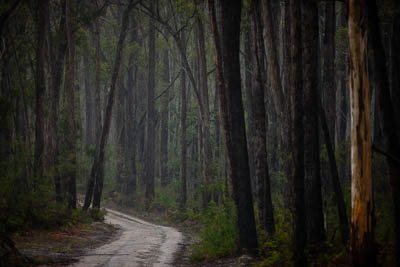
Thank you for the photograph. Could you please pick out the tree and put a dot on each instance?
(296, 94)
(328, 75)
(70, 92)
(95, 181)
(230, 97)
(57, 69)
(313, 196)
(362, 245)
(205, 115)
(40, 87)
(151, 113)
(165, 121)
(183, 131)
(259, 116)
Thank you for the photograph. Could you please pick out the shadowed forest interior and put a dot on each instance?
(268, 127)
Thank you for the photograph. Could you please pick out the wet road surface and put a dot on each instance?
(140, 244)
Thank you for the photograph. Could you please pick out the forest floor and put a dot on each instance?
(64, 246)
(189, 230)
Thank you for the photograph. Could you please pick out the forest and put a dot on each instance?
(270, 125)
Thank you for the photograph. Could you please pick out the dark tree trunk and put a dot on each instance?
(70, 95)
(328, 82)
(248, 83)
(315, 217)
(205, 116)
(230, 96)
(151, 113)
(97, 101)
(337, 188)
(131, 125)
(342, 69)
(287, 134)
(57, 69)
(95, 182)
(217, 129)
(273, 58)
(183, 132)
(380, 82)
(40, 87)
(259, 116)
(296, 93)
(362, 232)
(164, 122)
(395, 65)
(90, 137)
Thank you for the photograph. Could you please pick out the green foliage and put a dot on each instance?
(276, 250)
(219, 234)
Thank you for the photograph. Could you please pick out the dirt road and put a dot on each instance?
(140, 244)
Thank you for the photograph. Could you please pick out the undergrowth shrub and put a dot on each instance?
(219, 234)
(276, 250)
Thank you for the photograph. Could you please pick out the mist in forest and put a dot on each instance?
(267, 128)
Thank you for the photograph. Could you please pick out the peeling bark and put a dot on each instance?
(362, 245)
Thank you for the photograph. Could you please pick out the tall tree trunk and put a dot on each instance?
(380, 82)
(165, 122)
(40, 87)
(287, 142)
(130, 125)
(151, 113)
(328, 82)
(395, 64)
(95, 182)
(230, 96)
(296, 93)
(341, 205)
(273, 59)
(315, 217)
(97, 101)
(70, 95)
(362, 245)
(90, 137)
(260, 147)
(248, 84)
(205, 116)
(183, 133)
(57, 73)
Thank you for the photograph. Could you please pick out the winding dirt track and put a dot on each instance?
(140, 244)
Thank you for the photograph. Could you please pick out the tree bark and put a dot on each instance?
(248, 84)
(205, 118)
(273, 59)
(151, 112)
(95, 182)
(328, 77)
(259, 116)
(362, 245)
(164, 122)
(313, 196)
(230, 96)
(131, 125)
(90, 137)
(70, 95)
(296, 94)
(183, 132)
(57, 69)
(97, 100)
(40, 87)
(395, 65)
(341, 205)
